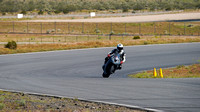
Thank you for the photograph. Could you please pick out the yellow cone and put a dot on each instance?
(154, 72)
(161, 74)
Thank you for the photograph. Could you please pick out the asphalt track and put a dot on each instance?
(77, 73)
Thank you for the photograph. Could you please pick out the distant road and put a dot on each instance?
(77, 73)
(1, 43)
(97, 15)
(139, 18)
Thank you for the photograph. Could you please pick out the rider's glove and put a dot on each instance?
(121, 62)
(108, 55)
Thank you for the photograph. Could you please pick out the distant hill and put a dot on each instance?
(66, 6)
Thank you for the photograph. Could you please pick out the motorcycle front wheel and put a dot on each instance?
(105, 75)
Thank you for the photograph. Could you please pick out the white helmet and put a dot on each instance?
(120, 47)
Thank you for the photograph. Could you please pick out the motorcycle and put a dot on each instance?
(111, 65)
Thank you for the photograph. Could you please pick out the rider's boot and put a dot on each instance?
(120, 67)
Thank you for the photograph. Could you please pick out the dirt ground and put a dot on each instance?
(142, 18)
(21, 102)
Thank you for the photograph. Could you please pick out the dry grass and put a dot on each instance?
(127, 41)
(86, 38)
(181, 71)
(164, 28)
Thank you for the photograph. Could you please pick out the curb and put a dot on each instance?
(85, 100)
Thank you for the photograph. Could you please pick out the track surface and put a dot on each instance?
(77, 73)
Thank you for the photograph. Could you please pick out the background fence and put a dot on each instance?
(49, 39)
(66, 28)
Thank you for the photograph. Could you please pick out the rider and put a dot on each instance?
(120, 51)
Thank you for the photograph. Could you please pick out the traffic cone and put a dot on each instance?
(154, 72)
(161, 74)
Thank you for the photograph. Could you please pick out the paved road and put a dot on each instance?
(97, 15)
(130, 19)
(77, 73)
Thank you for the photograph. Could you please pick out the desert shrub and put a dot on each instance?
(133, 11)
(190, 25)
(145, 42)
(53, 30)
(157, 36)
(112, 33)
(49, 12)
(66, 11)
(125, 10)
(1, 106)
(40, 12)
(180, 66)
(166, 32)
(67, 6)
(57, 11)
(2, 98)
(48, 31)
(11, 45)
(97, 31)
(22, 102)
(24, 12)
(99, 38)
(3, 13)
(136, 37)
(58, 30)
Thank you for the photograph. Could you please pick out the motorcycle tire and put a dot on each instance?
(105, 75)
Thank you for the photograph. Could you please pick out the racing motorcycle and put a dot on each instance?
(111, 65)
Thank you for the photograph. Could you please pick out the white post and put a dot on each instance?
(19, 16)
(92, 14)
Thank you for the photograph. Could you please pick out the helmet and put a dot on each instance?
(120, 47)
